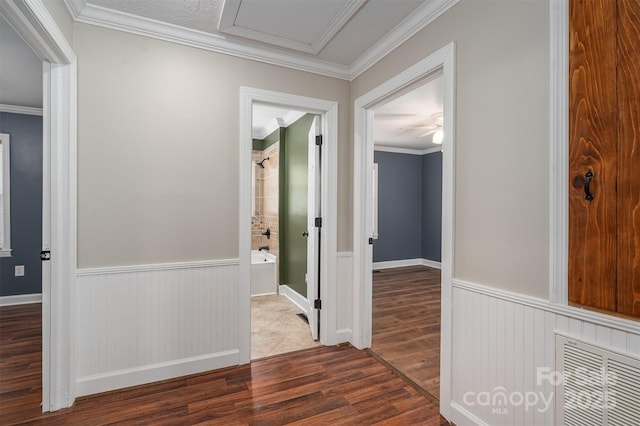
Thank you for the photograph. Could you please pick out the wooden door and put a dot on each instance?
(604, 157)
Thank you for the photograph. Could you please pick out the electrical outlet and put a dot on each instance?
(19, 270)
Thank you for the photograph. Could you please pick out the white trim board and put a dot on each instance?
(120, 21)
(296, 298)
(559, 151)
(20, 299)
(407, 262)
(410, 151)
(593, 317)
(16, 109)
(83, 272)
(151, 373)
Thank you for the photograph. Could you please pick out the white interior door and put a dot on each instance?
(314, 232)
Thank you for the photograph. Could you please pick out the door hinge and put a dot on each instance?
(45, 255)
(371, 241)
(319, 140)
(318, 222)
(317, 304)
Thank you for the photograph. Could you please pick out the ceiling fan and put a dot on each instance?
(431, 124)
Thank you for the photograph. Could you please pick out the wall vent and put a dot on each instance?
(596, 386)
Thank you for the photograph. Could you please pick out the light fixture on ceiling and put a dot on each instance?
(438, 136)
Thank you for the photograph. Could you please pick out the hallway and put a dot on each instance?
(322, 385)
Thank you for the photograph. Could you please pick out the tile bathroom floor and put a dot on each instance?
(276, 328)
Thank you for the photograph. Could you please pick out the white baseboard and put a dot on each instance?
(20, 299)
(344, 335)
(461, 416)
(151, 373)
(299, 300)
(406, 262)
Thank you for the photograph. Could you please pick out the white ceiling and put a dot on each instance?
(266, 119)
(20, 71)
(403, 121)
(338, 38)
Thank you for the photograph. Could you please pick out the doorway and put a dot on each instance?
(443, 60)
(319, 303)
(408, 236)
(284, 240)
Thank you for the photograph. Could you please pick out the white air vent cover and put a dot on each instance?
(596, 386)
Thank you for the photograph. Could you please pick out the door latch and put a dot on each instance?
(45, 255)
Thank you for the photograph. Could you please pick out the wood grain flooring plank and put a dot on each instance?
(406, 323)
(323, 385)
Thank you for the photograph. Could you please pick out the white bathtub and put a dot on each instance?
(263, 273)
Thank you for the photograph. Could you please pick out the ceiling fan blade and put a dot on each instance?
(430, 132)
(393, 115)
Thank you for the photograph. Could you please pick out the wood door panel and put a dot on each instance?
(592, 147)
(628, 171)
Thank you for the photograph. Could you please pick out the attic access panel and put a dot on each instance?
(305, 26)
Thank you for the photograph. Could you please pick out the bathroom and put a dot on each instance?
(277, 308)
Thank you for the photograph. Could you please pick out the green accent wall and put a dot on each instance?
(262, 144)
(293, 203)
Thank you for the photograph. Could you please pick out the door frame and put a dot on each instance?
(329, 112)
(31, 20)
(443, 59)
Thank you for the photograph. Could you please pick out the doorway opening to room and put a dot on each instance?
(284, 237)
(409, 296)
(21, 227)
(288, 227)
(408, 231)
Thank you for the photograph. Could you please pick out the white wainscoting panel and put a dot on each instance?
(344, 299)
(152, 322)
(500, 339)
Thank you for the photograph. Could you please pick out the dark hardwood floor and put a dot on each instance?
(406, 323)
(319, 386)
(20, 362)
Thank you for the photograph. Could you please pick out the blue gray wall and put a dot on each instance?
(26, 204)
(432, 206)
(409, 206)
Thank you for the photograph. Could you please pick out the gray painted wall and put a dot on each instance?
(399, 207)
(432, 206)
(26, 204)
(409, 206)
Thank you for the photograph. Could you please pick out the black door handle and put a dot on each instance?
(587, 186)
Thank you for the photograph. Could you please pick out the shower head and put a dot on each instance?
(261, 163)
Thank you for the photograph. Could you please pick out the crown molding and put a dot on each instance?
(278, 122)
(410, 151)
(86, 13)
(402, 32)
(120, 21)
(15, 109)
